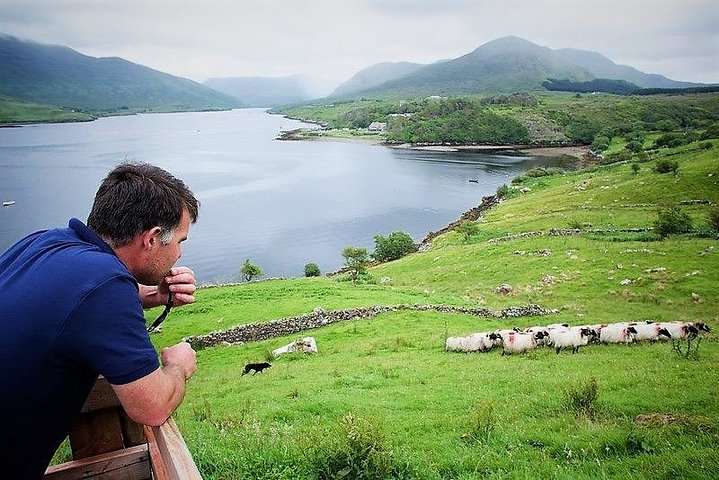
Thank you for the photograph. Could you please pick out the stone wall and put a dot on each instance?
(252, 332)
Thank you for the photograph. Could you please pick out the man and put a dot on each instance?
(71, 308)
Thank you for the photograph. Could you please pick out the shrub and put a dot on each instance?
(356, 260)
(671, 219)
(363, 453)
(396, 245)
(312, 270)
(503, 191)
(635, 168)
(664, 165)
(582, 399)
(600, 143)
(714, 219)
(634, 146)
(466, 229)
(481, 423)
(249, 270)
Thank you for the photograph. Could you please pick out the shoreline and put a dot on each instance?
(578, 151)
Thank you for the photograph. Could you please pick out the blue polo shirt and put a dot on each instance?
(69, 311)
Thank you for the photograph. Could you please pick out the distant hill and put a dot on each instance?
(505, 65)
(269, 91)
(376, 75)
(601, 67)
(509, 65)
(60, 76)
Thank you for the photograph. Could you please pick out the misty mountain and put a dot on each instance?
(509, 65)
(376, 75)
(602, 67)
(58, 75)
(269, 91)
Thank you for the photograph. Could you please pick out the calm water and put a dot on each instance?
(280, 204)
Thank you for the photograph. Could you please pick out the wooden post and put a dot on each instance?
(108, 445)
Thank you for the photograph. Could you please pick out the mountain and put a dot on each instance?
(508, 65)
(376, 75)
(602, 67)
(269, 91)
(505, 65)
(58, 75)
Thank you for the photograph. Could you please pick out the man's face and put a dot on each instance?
(163, 256)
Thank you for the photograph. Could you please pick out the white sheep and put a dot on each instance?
(545, 337)
(304, 345)
(519, 342)
(476, 342)
(684, 330)
(574, 337)
(617, 333)
(650, 331)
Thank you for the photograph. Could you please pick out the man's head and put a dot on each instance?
(144, 205)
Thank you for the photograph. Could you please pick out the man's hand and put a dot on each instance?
(180, 281)
(181, 356)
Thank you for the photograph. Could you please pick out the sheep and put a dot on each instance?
(476, 342)
(617, 333)
(304, 345)
(545, 337)
(650, 331)
(684, 330)
(519, 342)
(573, 337)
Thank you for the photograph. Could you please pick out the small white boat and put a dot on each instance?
(8, 203)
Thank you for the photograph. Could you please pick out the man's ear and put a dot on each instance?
(151, 237)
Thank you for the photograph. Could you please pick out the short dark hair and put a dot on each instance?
(135, 197)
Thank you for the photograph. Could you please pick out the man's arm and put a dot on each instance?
(151, 399)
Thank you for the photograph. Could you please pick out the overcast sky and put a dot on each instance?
(334, 39)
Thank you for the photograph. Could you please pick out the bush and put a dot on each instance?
(671, 219)
(396, 245)
(665, 165)
(466, 229)
(582, 399)
(481, 423)
(356, 260)
(249, 270)
(714, 219)
(635, 168)
(312, 270)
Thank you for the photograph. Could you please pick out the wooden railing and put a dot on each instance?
(107, 445)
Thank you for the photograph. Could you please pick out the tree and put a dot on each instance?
(356, 260)
(466, 229)
(396, 245)
(312, 270)
(249, 270)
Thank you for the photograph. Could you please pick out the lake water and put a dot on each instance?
(280, 204)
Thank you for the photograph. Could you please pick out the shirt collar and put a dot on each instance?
(84, 232)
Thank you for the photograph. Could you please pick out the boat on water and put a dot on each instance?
(8, 203)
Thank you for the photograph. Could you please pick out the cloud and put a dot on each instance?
(335, 39)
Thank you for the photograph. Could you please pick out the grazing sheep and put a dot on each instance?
(518, 342)
(477, 342)
(506, 331)
(617, 333)
(545, 337)
(573, 337)
(650, 331)
(683, 330)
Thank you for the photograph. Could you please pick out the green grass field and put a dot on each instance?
(382, 399)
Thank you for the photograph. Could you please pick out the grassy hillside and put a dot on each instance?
(382, 399)
(14, 111)
(57, 75)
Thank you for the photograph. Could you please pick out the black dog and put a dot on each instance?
(255, 367)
